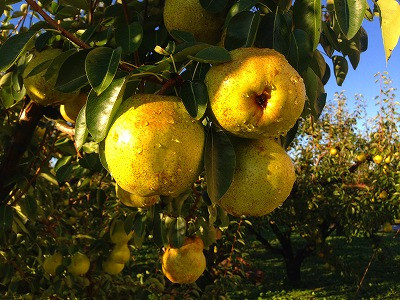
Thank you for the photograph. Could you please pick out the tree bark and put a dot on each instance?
(23, 132)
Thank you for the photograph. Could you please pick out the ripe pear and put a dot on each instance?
(111, 267)
(70, 110)
(377, 159)
(120, 254)
(361, 157)
(154, 147)
(263, 178)
(257, 94)
(118, 234)
(132, 200)
(383, 195)
(333, 151)
(39, 89)
(190, 16)
(51, 263)
(80, 264)
(184, 264)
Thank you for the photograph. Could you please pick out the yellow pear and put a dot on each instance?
(154, 147)
(377, 159)
(70, 110)
(120, 254)
(257, 94)
(111, 267)
(133, 200)
(190, 16)
(51, 263)
(383, 195)
(333, 151)
(263, 178)
(39, 89)
(184, 264)
(80, 264)
(361, 157)
(118, 234)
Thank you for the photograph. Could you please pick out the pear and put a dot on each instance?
(120, 254)
(70, 110)
(377, 159)
(190, 16)
(333, 151)
(257, 94)
(39, 89)
(154, 147)
(263, 178)
(111, 267)
(184, 264)
(118, 234)
(80, 264)
(51, 263)
(132, 200)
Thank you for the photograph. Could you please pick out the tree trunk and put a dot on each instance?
(293, 271)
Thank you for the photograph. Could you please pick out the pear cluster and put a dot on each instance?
(120, 254)
(256, 97)
(79, 265)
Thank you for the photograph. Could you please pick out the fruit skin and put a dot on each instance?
(39, 89)
(69, 111)
(112, 267)
(383, 195)
(118, 234)
(377, 159)
(190, 16)
(80, 264)
(154, 147)
(388, 159)
(361, 157)
(263, 178)
(257, 94)
(132, 200)
(184, 264)
(333, 151)
(120, 254)
(51, 263)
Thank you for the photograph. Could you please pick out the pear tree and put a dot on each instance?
(109, 119)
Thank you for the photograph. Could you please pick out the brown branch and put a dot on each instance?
(365, 273)
(126, 12)
(176, 80)
(65, 128)
(23, 132)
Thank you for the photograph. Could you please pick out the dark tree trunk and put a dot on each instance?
(293, 271)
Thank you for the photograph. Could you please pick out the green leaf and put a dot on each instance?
(101, 64)
(81, 131)
(100, 109)
(307, 16)
(72, 75)
(29, 207)
(89, 32)
(6, 218)
(39, 68)
(318, 64)
(92, 162)
(102, 155)
(214, 6)
(129, 37)
(57, 62)
(194, 96)
(239, 6)
(13, 48)
(389, 13)
(183, 36)
(177, 232)
(300, 50)
(82, 4)
(212, 55)
(290, 136)
(349, 15)
(62, 162)
(316, 96)
(64, 173)
(220, 162)
(242, 30)
(152, 38)
(158, 226)
(341, 67)
(41, 41)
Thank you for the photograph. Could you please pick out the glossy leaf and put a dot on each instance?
(316, 96)
(82, 4)
(102, 155)
(300, 51)
(340, 67)
(177, 232)
(129, 37)
(101, 64)
(214, 6)
(91, 161)
(349, 15)
(242, 30)
(72, 74)
(220, 162)
(81, 131)
(239, 6)
(100, 109)
(57, 62)
(389, 12)
(183, 36)
(64, 173)
(212, 55)
(307, 16)
(29, 207)
(13, 48)
(194, 96)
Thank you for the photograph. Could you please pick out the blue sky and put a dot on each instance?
(361, 80)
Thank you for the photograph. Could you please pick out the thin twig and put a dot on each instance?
(365, 273)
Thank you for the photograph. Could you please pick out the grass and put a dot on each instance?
(321, 281)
